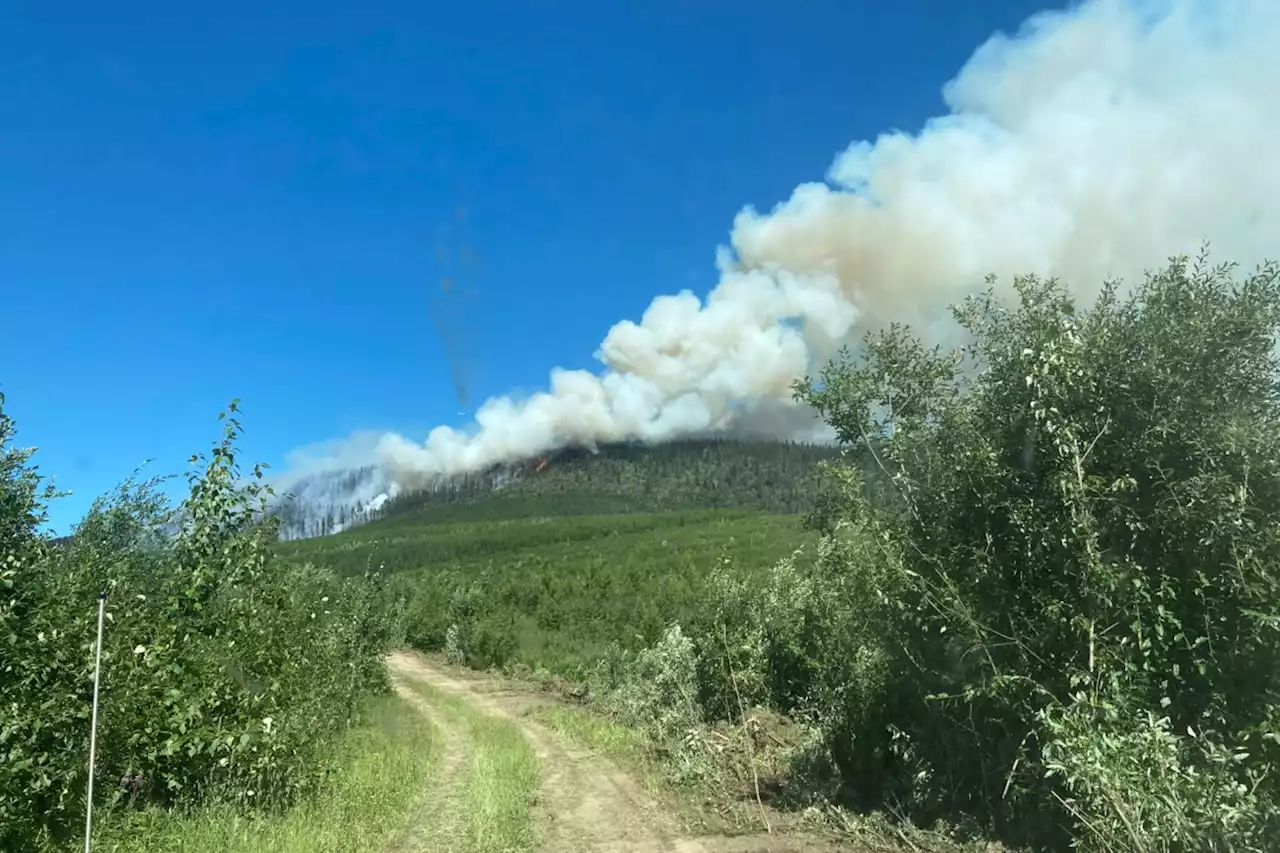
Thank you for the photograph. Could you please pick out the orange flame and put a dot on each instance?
(542, 463)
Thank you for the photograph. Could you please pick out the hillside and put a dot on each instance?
(552, 562)
(553, 592)
(770, 476)
(330, 501)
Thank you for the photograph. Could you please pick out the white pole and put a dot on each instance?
(93, 726)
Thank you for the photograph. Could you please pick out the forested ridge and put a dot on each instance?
(770, 476)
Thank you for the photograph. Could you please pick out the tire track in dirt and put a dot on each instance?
(584, 802)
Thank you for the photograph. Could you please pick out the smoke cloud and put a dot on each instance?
(1093, 143)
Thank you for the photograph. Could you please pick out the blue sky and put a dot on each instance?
(263, 200)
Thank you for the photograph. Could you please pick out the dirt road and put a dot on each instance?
(584, 802)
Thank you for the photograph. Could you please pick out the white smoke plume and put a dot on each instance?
(331, 484)
(1094, 143)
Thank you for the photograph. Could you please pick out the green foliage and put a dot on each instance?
(1089, 562)
(371, 799)
(771, 476)
(1045, 601)
(224, 672)
(550, 592)
(1136, 784)
(660, 689)
(21, 510)
(813, 639)
(535, 573)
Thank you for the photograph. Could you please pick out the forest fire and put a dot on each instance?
(541, 464)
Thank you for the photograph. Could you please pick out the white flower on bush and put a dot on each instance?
(266, 724)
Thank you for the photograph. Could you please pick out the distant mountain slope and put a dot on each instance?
(704, 474)
(331, 501)
(771, 476)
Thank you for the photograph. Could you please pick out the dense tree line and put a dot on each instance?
(708, 473)
(773, 476)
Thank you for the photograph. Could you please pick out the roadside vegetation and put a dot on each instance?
(1035, 600)
(1042, 604)
(381, 774)
(230, 680)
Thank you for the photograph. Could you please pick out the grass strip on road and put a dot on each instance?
(498, 789)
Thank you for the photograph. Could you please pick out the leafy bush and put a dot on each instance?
(660, 688)
(657, 691)
(1089, 594)
(811, 639)
(1136, 784)
(223, 672)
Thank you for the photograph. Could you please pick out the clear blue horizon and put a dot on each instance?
(277, 203)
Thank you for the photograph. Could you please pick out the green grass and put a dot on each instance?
(625, 746)
(384, 770)
(490, 803)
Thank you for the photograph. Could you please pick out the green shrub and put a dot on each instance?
(1134, 784)
(224, 673)
(809, 639)
(658, 693)
(1085, 505)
